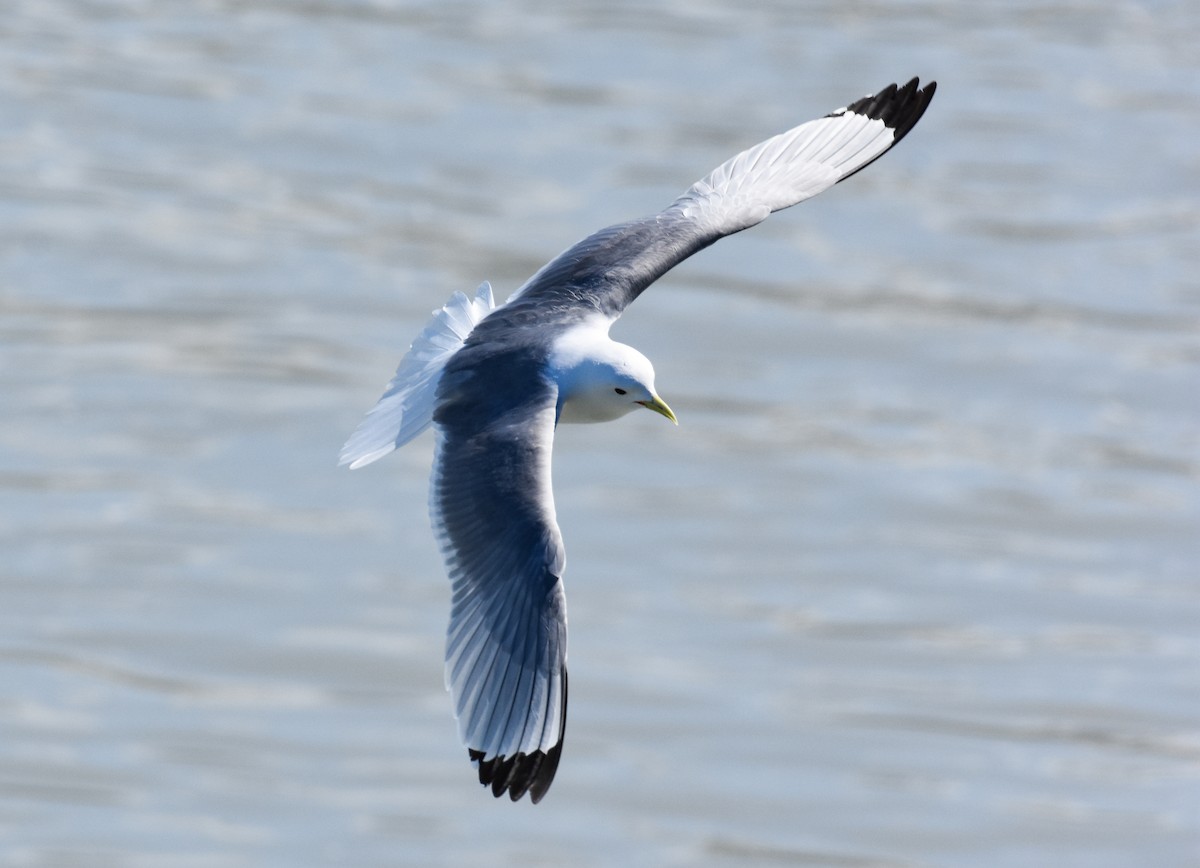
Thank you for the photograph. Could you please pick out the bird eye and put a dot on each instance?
(619, 391)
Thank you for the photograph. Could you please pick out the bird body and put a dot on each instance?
(496, 381)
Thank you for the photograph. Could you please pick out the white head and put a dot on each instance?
(600, 380)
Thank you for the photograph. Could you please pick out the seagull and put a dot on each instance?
(495, 382)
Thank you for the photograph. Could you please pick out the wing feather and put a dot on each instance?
(609, 269)
(493, 512)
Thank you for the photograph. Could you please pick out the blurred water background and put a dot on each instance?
(915, 583)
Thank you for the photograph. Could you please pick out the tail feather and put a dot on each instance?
(406, 407)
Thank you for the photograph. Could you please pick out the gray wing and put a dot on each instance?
(493, 512)
(611, 268)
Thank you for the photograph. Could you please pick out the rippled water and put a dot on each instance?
(916, 581)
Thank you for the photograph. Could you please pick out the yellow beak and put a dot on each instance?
(658, 405)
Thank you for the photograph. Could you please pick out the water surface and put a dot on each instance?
(915, 582)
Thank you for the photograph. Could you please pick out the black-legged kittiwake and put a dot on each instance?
(495, 381)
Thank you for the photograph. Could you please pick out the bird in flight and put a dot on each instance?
(495, 382)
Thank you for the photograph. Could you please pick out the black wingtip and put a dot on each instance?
(524, 772)
(898, 107)
(520, 774)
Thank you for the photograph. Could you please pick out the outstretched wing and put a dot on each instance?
(493, 512)
(608, 270)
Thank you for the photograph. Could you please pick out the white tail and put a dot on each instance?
(406, 408)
